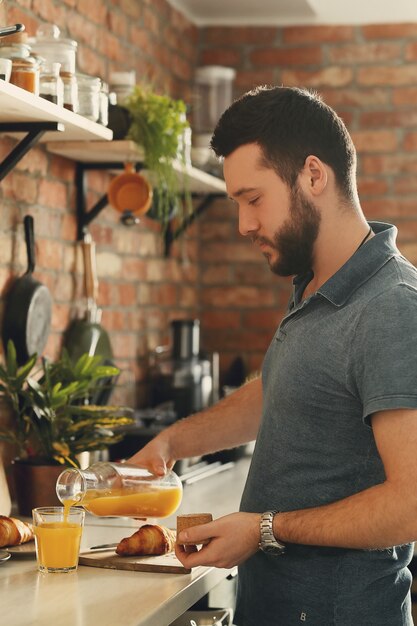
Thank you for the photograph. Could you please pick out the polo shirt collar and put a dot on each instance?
(363, 264)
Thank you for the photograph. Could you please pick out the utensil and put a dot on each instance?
(87, 335)
(130, 194)
(28, 307)
(10, 30)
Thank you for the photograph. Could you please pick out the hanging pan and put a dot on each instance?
(130, 194)
(28, 307)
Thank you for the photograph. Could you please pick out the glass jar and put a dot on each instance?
(89, 96)
(120, 489)
(122, 84)
(70, 85)
(25, 74)
(51, 86)
(14, 51)
(49, 45)
(103, 117)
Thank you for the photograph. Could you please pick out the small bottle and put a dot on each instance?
(89, 96)
(70, 91)
(25, 74)
(51, 86)
(120, 489)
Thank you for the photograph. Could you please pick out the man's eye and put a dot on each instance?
(254, 200)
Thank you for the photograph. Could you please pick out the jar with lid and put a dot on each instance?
(89, 96)
(120, 489)
(69, 82)
(51, 86)
(103, 117)
(49, 44)
(16, 50)
(25, 74)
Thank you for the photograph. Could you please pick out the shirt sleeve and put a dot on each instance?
(383, 357)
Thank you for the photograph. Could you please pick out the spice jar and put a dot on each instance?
(70, 85)
(51, 86)
(25, 74)
(103, 117)
(88, 96)
(49, 45)
(111, 489)
(14, 50)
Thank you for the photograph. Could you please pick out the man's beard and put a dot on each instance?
(294, 241)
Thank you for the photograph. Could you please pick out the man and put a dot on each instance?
(329, 511)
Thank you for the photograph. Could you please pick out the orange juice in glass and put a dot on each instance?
(57, 531)
(120, 489)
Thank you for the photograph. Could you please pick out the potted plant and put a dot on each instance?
(158, 124)
(52, 420)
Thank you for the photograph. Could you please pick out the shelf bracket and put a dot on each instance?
(171, 235)
(84, 216)
(34, 131)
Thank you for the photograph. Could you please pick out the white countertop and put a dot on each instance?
(93, 596)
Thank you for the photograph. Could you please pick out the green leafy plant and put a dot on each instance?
(158, 123)
(52, 418)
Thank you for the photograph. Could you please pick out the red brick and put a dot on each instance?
(307, 55)
(90, 62)
(52, 193)
(21, 187)
(405, 185)
(50, 11)
(372, 186)
(68, 228)
(309, 34)
(330, 76)
(217, 275)
(248, 297)
(389, 164)
(387, 75)
(49, 253)
(84, 31)
(410, 141)
(391, 119)
(35, 162)
(375, 140)
(357, 98)
(407, 230)
(234, 252)
(118, 23)
(220, 319)
(389, 31)
(127, 294)
(95, 11)
(365, 53)
(221, 56)
(216, 230)
(248, 79)
(16, 15)
(383, 208)
(404, 96)
(132, 8)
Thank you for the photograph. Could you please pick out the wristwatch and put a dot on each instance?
(268, 542)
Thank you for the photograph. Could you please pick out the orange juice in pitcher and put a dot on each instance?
(120, 489)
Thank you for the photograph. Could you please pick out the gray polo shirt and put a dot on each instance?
(337, 357)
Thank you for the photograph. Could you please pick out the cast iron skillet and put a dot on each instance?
(28, 307)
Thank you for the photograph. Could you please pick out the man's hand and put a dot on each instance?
(233, 539)
(155, 456)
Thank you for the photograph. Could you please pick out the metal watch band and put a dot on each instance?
(268, 542)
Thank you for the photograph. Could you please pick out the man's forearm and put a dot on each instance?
(379, 517)
(231, 422)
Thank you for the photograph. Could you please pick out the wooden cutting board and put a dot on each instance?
(166, 563)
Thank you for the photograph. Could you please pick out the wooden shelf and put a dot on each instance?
(198, 182)
(19, 105)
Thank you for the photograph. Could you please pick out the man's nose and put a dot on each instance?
(248, 223)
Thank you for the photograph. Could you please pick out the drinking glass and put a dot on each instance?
(58, 536)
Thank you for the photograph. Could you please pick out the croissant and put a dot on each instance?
(150, 539)
(13, 531)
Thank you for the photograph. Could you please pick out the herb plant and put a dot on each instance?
(53, 421)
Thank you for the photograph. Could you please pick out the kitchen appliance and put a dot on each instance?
(181, 374)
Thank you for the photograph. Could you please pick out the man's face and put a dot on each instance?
(280, 219)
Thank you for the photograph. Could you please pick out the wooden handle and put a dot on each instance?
(90, 268)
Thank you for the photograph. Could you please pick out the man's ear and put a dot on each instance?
(314, 176)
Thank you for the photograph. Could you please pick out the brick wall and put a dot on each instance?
(367, 73)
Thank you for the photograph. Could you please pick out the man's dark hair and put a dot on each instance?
(289, 124)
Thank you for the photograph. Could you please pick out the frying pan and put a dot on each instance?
(28, 307)
(130, 194)
(86, 335)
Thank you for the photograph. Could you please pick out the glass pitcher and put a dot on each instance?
(120, 489)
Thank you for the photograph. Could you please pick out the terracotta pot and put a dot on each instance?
(35, 485)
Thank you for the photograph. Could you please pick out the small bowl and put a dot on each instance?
(130, 192)
(5, 69)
